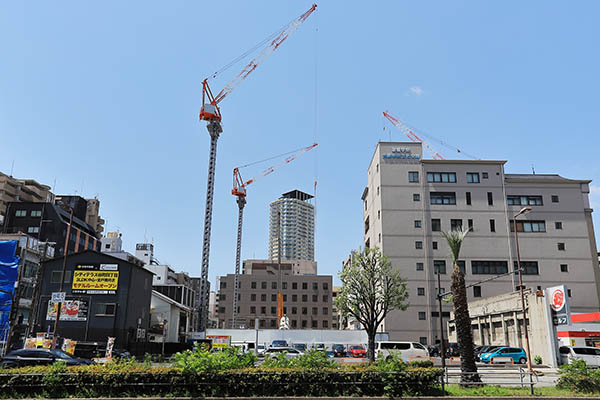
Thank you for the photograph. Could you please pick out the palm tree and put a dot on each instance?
(462, 319)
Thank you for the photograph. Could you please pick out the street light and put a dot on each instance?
(523, 210)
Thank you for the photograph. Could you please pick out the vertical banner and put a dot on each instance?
(558, 300)
(39, 339)
(29, 343)
(69, 346)
(9, 266)
(109, 347)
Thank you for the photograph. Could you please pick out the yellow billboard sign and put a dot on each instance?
(92, 281)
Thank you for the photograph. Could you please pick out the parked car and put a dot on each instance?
(479, 350)
(452, 350)
(28, 357)
(339, 350)
(90, 350)
(357, 351)
(260, 349)
(590, 355)
(406, 350)
(279, 343)
(516, 353)
(301, 347)
(290, 352)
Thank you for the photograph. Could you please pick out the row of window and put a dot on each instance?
(263, 297)
(449, 198)
(522, 226)
(445, 177)
(284, 285)
(23, 213)
(489, 267)
(294, 310)
(293, 323)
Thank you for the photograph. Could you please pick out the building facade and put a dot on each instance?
(85, 209)
(292, 224)
(16, 190)
(408, 202)
(307, 299)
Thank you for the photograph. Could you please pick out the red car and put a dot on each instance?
(357, 351)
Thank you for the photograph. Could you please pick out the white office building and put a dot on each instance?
(409, 202)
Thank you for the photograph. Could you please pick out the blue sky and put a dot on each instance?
(103, 98)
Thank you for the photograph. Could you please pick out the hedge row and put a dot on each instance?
(252, 383)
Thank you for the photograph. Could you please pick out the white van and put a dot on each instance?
(591, 355)
(405, 350)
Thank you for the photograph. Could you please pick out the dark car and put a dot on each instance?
(338, 350)
(97, 350)
(26, 357)
(452, 350)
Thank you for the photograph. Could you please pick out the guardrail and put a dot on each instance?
(417, 358)
(520, 377)
(502, 360)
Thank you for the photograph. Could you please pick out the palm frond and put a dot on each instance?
(455, 239)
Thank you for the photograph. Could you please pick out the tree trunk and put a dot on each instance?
(464, 333)
(371, 348)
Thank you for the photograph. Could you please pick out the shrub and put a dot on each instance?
(312, 359)
(537, 359)
(200, 360)
(579, 377)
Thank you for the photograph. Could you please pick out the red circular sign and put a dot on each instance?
(557, 300)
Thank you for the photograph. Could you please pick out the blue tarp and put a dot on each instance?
(9, 269)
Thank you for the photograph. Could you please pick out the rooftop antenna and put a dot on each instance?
(11, 168)
(532, 169)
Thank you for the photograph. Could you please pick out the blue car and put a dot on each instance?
(517, 354)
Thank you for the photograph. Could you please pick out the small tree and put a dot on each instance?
(371, 288)
(462, 318)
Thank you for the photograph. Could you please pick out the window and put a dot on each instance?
(568, 292)
(273, 297)
(325, 286)
(315, 298)
(461, 266)
(294, 285)
(314, 324)
(325, 324)
(484, 175)
(273, 310)
(253, 285)
(222, 296)
(304, 298)
(528, 267)
(273, 323)
(443, 177)
(489, 267)
(33, 229)
(416, 197)
(21, 213)
(315, 286)
(223, 285)
(325, 310)
(253, 297)
(490, 198)
(55, 276)
(524, 200)
(105, 309)
(555, 198)
(468, 198)
(445, 198)
(294, 297)
(561, 246)
(439, 266)
(274, 285)
(304, 310)
(564, 268)
(418, 244)
(294, 310)
(263, 285)
(476, 291)
(304, 323)
(325, 298)
(423, 340)
(456, 224)
(315, 310)
(492, 225)
(263, 297)
(367, 225)
(420, 266)
(284, 285)
(558, 225)
(263, 310)
(417, 223)
(378, 214)
(36, 213)
(422, 315)
(304, 285)
(529, 226)
(434, 245)
(252, 310)
(470, 224)
(472, 177)
(421, 291)
(436, 225)
(413, 176)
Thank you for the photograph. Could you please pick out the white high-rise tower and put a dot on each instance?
(296, 217)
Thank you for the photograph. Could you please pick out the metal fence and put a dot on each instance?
(501, 377)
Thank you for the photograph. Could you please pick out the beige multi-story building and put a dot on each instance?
(307, 298)
(27, 190)
(292, 225)
(410, 201)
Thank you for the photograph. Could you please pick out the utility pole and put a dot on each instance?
(241, 201)
(442, 344)
(214, 129)
(62, 275)
(279, 295)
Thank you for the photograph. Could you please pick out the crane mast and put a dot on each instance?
(211, 113)
(239, 190)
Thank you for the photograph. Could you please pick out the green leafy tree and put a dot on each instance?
(462, 318)
(371, 288)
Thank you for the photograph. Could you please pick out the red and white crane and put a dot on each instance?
(239, 190)
(211, 113)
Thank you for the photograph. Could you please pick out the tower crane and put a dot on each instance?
(239, 190)
(413, 136)
(211, 113)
